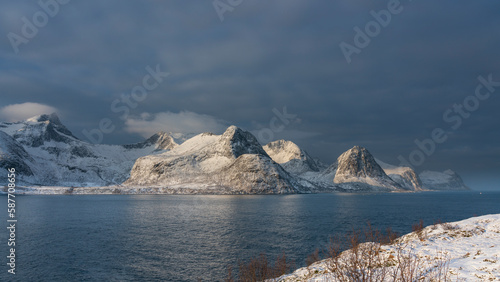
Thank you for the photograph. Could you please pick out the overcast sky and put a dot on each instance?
(234, 61)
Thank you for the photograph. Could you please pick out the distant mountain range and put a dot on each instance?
(45, 153)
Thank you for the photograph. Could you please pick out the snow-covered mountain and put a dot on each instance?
(309, 172)
(232, 162)
(358, 170)
(447, 180)
(45, 152)
(291, 157)
(406, 177)
(34, 132)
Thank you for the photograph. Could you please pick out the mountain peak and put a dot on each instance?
(358, 150)
(52, 118)
(358, 161)
(288, 150)
(232, 130)
(162, 140)
(240, 142)
(358, 165)
(38, 129)
(290, 156)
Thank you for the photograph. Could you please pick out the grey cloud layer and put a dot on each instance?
(267, 55)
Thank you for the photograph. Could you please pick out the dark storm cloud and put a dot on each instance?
(265, 55)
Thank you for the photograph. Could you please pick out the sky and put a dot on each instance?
(415, 82)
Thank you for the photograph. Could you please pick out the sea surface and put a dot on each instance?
(186, 238)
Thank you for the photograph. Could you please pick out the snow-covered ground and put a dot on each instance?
(467, 250)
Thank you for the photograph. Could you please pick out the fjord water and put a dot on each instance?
(183, 238)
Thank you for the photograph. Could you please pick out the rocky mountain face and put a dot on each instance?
(447, 180)
(44, 152)
(358, 168)
(233, 161)
(13, 155)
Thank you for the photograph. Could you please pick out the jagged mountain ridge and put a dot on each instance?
(404, 177)
(286, 152)
(47, 153)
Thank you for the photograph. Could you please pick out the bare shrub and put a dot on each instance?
(362, 255)
(282, 266)
(408, 266)
(260, 269)
(449, 226)
(445, 225)
(390, 236)
(371, 262)
(418, 228)
(313, 257)
(362, 261)
(230, 277)
(411, 267)
(442, 268)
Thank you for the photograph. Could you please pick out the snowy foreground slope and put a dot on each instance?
(47, 156)
(467, 250)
